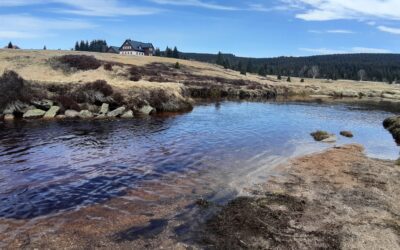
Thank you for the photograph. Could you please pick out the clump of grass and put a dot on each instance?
(134, 74)
(13, 88)
(177, 65)
(348, 134)
(93, 92)
(397, 162)
(108, 67)
(320, 135)
(78, 62)
(67, 102)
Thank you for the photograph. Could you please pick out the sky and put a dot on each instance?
(254, 28)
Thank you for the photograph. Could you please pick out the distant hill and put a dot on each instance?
(374, 67)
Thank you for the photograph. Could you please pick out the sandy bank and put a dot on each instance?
(338, 199)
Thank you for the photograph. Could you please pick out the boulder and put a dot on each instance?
(101, 116)
(85, 114)
(116, 112)
(128, 114)
(146, 110)
(71, 113)
(52, 112)
(34, 113)
(60, 117)
(347, 134)
(43, 104)
(9, 117)
(104, 108)
(17, 107)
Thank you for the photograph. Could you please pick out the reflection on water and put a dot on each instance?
(46, 167)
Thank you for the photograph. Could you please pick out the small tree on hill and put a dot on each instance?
(168, 52)
(177, 65)
(288, 79)
(10, 45)
(175, 53)
(44, 47)
(220, 59)
(279, 77)
(157, 52)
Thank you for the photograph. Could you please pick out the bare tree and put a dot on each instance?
(361, 74)
(314, 71)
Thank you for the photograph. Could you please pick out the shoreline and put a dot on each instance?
(337, 199)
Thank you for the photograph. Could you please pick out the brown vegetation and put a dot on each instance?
(320, 135)
(78, 62)
(12, 88)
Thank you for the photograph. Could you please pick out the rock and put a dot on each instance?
(320, 135)
(60, 117)
(348, 134)
(390, 96)
(146, 110)
(34, 113)
(85, 114)
(349, 93)
(330, 139)
(104, 108)
(116, 112)
(128, 114)
(52, 112)
(71, 113)
(101, 116)
(43, 104)
(9, 117)
(18, 107)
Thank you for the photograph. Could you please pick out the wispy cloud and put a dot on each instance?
(326, 51)
(391, 30)
(196, 3)
(324, 10)
(26, 26)
(337, 31)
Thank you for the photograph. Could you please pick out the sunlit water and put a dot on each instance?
(48, 167)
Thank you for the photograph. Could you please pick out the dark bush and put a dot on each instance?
(135, 78)
(108, 67)
(101, 86)
(157, 98)
(93, 92)
(68, 103)
(118, 98)
(320, 135)
(57, 88)
(80, 62)
(177, 65)
(135, 73)
(12, 88)
(348, 134)
(302, 80)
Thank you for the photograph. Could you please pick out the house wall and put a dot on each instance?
(132, 53)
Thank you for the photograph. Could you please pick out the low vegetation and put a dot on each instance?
(393, 125)
(12, 88)
(70, 63)
(348, 134)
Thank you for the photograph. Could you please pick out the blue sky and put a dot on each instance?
(257, 28)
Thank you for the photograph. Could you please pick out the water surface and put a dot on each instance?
(48, 167)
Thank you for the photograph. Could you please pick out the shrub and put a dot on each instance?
(101, 86)
(118, 98)
(134, 73)
(157, 98)
(80, 62)
(288, 79)
(108, 67)
(12, 88)
(68, 103)
(93, 92)
(177, 65)
(279, 77)
(302, 80)
(320, 135)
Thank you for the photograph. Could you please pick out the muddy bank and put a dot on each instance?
(339, 199)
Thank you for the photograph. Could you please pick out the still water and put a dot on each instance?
(50, 167)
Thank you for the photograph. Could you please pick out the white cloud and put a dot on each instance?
(326, 51)
(26, 26)
(324, 10)
(337, 31)
(389, 30)
(196, 3)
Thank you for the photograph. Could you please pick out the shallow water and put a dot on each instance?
(48, 167)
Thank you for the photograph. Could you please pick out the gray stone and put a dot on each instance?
(85, 114)
(146, 110)
(60, 117)
(101, 116)
(34, 113)
(128, 114)
(71, 113)
(330, 139)
(9, 117)
(52, 112)
(43, 104)
(16, 106)
(104, 108)
(116, 112)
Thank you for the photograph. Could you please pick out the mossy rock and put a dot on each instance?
(348, 134)
(320, 135)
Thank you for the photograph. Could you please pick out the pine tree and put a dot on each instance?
(86, 46)
(44, 48)
(157, 52)
(82, 46)
(175, 53)
(249, 67)
(220, 59)
(168, 52)
(10, 45)
(288, 79)
(77, 48)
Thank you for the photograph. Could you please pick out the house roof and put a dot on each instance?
(114, 48)
(139, 46)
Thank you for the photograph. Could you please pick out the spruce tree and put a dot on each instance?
(249, 67)
(168, 52)
(77, 46)
(157, 52)
(44, 47)
(220, 59)
(175, 53)
(10, 45)
(262, 72)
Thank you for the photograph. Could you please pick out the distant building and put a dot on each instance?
(130, 47)
(113, 49)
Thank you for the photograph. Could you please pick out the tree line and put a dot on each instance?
(365, 67)
(94, 46)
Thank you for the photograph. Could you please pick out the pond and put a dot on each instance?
(51, 167)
